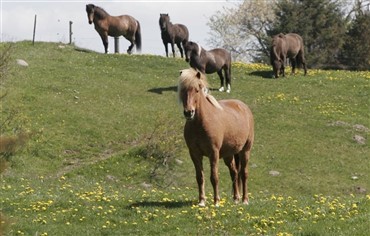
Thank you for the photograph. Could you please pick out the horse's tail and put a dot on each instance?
(138, 37)
(300, 55)
(274, 55)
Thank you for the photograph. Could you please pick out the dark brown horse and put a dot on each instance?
(287, 46)
(216, 129)
(173, 33)
(115, 26)
(208, 62)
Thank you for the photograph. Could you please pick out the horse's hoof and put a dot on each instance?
(221, 89)
(202, 204)
(245, 202)
(228, 90)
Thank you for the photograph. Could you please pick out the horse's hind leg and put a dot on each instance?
(129, 50)
(180, 48)
(302, 61)
(293, 62)
(244, 158)
(232, 164)
(228, 78)
(222, 88)
(173, 48)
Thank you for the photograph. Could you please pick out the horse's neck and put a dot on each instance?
(101, 14)
(196, 54)
(205, 54)
(169, 26)
(205, 110)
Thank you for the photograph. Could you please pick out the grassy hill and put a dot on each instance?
(105, 153)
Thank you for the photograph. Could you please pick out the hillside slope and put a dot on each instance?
(106, 131)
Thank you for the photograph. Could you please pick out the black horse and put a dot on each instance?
(173, 33)
(209, 62)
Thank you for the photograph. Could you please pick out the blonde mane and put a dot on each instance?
(188, 79)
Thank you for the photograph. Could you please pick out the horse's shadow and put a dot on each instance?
(266, 74)
(179, 204)
(161, 90)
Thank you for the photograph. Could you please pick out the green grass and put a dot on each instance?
(106, 155)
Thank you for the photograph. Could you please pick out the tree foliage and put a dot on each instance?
(241, 30)
(356, 50)
(330, 34)
(321, 23)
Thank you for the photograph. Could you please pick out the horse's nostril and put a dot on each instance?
(189, 114)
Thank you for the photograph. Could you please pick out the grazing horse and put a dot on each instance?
(287, 46)
(216, 129)
(173, 33)
(209, 62)
(115, 26)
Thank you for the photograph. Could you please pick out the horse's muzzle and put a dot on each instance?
(189, 115)
(90, 22)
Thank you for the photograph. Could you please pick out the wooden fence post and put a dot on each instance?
(34, 31)
(116, 45)
(70, 32)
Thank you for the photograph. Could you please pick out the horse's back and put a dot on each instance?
(237, 108)
(295, 43)
(294, 36)
(124, 24)
(182, 33)
(218, 58)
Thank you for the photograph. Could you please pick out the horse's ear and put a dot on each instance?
(199, 75)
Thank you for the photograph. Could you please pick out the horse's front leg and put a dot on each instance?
(104, 38)
(198, 164)
(282, 68)
(166, 48)
(214, 177)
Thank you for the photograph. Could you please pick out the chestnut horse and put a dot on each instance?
(215, 60)
(216, 129)
(115, 26)
(173, 33)
(287, 46)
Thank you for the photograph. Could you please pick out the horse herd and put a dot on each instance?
(216, 129)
